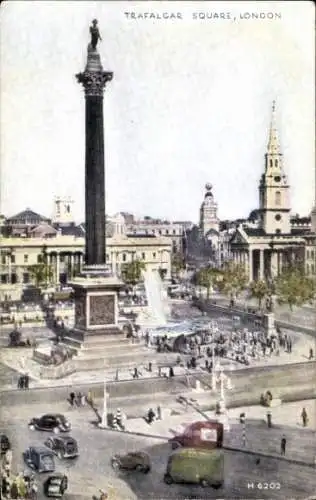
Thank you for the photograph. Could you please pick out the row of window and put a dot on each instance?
(62, 258)
(159, 231)
(310, 254)
(310, 269)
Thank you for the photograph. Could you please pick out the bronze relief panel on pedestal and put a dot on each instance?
(102, 310)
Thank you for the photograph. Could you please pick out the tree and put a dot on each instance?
(259, 289)
(234, 279)
(177, 263)
(42, 274)
(294, 287)
(207, 277)
(132, 271)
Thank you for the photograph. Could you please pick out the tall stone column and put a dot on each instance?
(250, 260)
(57, 269)
(94, 80)
(261, 265)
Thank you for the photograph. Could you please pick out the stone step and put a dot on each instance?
(84, 364)
(105, 350)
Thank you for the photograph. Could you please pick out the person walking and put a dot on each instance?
(118, 417)
(304, 417)
(269, 419)
(158, 412)
(311, 354)
(26, 381)
(72, 398)
(283, 445)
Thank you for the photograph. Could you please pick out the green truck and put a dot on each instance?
(193, 465)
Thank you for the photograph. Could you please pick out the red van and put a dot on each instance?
(207, 434)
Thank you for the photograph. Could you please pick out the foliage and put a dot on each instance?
(259, 289)
(132, 271)
(177, 263)
(207, 277)
(294, 287)
(234, 279)
(42, 274)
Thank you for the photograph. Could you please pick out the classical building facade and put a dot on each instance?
(63, 249)
(272, 240)
(174, 232)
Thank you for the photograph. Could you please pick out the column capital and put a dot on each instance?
(94, 82)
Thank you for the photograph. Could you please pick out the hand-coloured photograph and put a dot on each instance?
(157, 250)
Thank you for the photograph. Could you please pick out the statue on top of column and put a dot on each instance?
(95, 34)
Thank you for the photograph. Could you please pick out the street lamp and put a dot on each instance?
(104, 422)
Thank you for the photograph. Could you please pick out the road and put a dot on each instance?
(92, 469)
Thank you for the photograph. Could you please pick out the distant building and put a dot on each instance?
(63, 211)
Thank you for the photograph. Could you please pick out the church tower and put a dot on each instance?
(274, 189)
(208, 212)
(63, 211)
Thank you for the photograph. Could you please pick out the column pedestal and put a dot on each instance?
(96, 305)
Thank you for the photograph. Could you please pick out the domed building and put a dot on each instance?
(209, 222)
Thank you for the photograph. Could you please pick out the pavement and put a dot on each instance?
(301, 442)
(270, 479)
(12, 357)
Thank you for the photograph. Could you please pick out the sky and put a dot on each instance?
(190, 103)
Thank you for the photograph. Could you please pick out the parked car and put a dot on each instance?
(55, 486)
(201, 434)
(50, 422)
(192, 465)
(39, 458)
(63, 446)
(5, 444)
(132, 461)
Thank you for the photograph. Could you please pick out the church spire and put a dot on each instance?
(273, 143)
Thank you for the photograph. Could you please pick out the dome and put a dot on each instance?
(254, 215)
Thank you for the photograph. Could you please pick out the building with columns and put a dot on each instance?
(264, 249)
(64, 249)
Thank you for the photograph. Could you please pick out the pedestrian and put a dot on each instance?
(72, 398)
(14, 491)
(118, 417)
(171, 372)
(150, 366)
(283, 445)
(117, 374)
(83, 400)
(311, 354)
(304, 417)
(158, 412)
(90, 398)
(78, 399)
(26, 381)
(269, 419)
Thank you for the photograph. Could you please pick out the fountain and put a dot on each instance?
(158, 308)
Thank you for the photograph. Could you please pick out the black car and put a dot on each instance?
(5, 444)
(39, 458)
(137, 460)
(50, 422)
(63, 446)
(55, 486)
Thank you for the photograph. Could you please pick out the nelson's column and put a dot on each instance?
(96, 308)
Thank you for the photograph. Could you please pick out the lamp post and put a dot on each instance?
(104, 422)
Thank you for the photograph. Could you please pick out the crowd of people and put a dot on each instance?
(16, 486)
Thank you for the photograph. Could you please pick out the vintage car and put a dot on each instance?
(201, 434)
(55, 486)
(196, 466)
(5, 444)
(39, 458)
(63, 446)
(54, 422)
(137, 460)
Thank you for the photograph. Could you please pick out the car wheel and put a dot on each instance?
(216, 486)
(115, 465)
(146, 470)
(168, 479)
(203, 483)
(175, 445)
(56, 430)
(32, 427)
